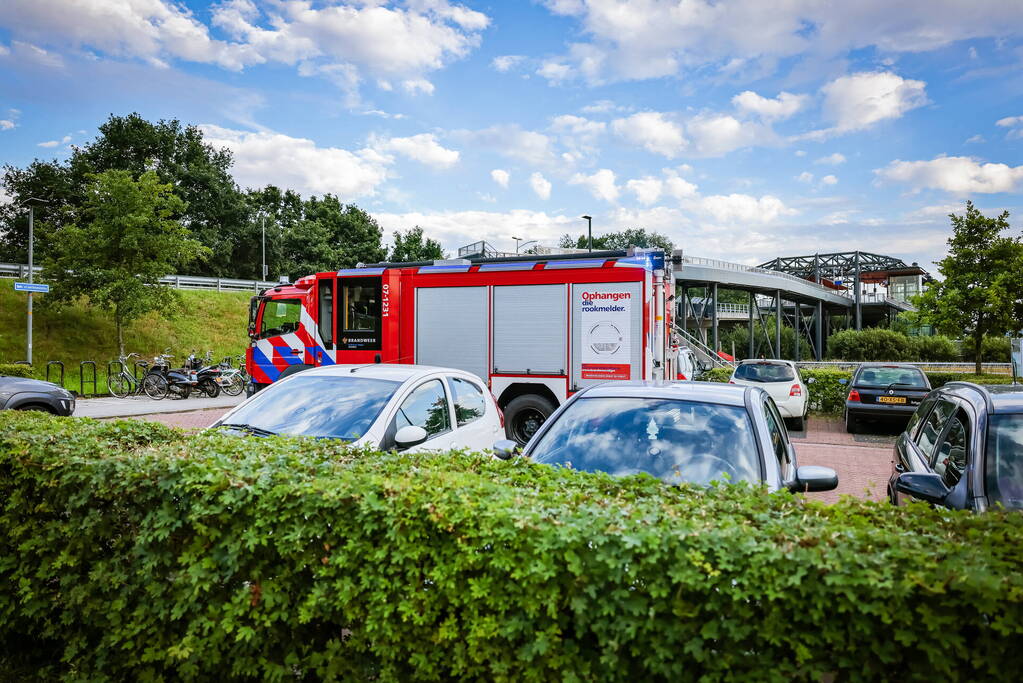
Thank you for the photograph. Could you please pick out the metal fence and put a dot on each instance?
(218, 284)
(987, 368)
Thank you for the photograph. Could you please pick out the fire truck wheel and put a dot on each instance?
(524, 415)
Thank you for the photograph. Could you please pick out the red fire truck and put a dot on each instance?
(536, 329)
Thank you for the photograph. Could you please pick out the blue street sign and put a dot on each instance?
(31, 287)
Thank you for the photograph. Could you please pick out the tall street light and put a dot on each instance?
(520, 239)
(262, 220)
(589, 230)
(31, 203)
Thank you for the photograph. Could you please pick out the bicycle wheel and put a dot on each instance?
(120, 385)
(155, 386)
(236, 387)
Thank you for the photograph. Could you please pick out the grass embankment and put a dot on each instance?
(207, 320)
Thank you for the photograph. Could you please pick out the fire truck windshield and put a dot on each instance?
(280, 316)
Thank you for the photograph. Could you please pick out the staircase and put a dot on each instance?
(702, 351)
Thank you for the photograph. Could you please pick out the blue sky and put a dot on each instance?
(742, 129)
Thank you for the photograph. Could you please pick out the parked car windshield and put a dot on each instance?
(885, 376)
(318, 405)
(765, 372)
(1004, 460)
(675, 441)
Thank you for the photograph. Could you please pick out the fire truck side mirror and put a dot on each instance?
(409, 436)
(506, 448)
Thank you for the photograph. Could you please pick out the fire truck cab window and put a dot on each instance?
(426, 407)
(359, 326)
(326, 317)
(280, 316)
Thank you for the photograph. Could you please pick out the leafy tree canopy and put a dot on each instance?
(121, 242)
(632, 237)
(981, 290)
(411, 245)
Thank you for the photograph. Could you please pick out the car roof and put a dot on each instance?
(901, 366)
(394, 372)
(1002, 398)
(703, 392)
(770, 361)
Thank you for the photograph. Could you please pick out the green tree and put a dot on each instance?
(981, 292)
(124, 240)
(411, 246)
(631, 237)
(331, 235)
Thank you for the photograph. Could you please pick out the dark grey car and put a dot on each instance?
(20, 393)
(695, 432)
(883, 391)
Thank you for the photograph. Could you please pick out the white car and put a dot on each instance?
(402, 407)
(688, 365)
(780, 379)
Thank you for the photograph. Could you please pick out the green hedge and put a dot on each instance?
(15, 370)
(130, 552)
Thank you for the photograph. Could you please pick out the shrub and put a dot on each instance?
(128, 553)
(873, 344)
(938, 379)
(825, 393)
(992, 350)
(722, 374)
(935, 349)
(15, 370)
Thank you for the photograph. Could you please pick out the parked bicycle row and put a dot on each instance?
(159, 379)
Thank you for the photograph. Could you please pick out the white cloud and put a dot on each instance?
(298, 163)
(959, 175)
(48, 143)
(577, 125)
(361, 38)
(717, 134)
(600, 184)
(512, 141)
(602, 107)
(647, 189)
(504, 63)
(6, 124)
(638, 39)
(554, 72)
(1015, 126)
(501, 177)
(743, 208)
(423, 148)
(784, 106)
(416, 86)
(829, 180)
(541, 186)
(678, 187)
(859, 101)
(978, 138)
(800, 153)
(653, 131)
(832, 159)
(805, 177)
(457, 228)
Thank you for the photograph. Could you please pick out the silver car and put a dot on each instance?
(696, 432)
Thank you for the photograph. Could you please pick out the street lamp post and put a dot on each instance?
(262, 220)
(517, 240)
(589, 231)
(31, 203)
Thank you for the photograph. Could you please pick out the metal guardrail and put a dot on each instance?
(728, 265)
(987, 368)
(219, 284)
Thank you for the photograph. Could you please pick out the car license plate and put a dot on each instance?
(891, 399)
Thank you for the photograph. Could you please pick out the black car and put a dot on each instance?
(20, 393)
(963, 448)
(883, 391)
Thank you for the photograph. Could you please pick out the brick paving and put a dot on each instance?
(862, 461)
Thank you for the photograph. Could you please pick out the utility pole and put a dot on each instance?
(262, 220)
(31, 201)
(589, 231)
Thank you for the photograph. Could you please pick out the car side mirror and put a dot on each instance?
(409, 436)
(923, 485)
(843, 381)
(505, 449)
(811, 478)
(811, 380)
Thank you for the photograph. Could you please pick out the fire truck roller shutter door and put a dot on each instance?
(451, 328)
(530, 323)
(607, 332)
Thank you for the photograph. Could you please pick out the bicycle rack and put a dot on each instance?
(81, 377)
(58, 364)
(22, 362)
(143, 364)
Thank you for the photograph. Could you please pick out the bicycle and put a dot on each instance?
(124, 384)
